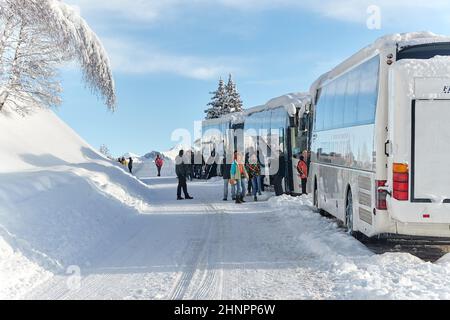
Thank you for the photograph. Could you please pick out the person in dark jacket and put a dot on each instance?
(130, 165)
(192, 166)
(182, 174)
(250, 177)
(226, 172)
(262, 166)
(254, 171)
(279, 175)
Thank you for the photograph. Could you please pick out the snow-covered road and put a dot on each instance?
(209, 249)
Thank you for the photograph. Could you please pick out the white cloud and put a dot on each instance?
(136, 10)
(347, 10)
(356, 10)
(134, 58)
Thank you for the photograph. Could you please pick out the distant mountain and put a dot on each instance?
(173, 153)
(144, 166)
(131, 155)
(153, 154)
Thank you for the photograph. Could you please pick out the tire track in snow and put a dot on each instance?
(191, 261)
(202, 277)
(209, 286)
(193, 251)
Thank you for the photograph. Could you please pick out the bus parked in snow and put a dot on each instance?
(380, 142)
(279, 126)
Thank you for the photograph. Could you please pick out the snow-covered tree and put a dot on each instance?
(233, 102)
(104, 150)
(217, 103)
(29, 61)
(36, 37)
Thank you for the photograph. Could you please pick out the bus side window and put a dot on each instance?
(330, 105)
(351, 98)
(368, 92)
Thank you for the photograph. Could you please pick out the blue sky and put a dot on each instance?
(167, 55)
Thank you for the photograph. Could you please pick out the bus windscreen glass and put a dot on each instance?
(427, 51)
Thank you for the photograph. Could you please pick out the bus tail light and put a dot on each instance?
(381, 195)
(401, 182)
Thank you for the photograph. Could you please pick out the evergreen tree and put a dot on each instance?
(218, 101)
(233, 102)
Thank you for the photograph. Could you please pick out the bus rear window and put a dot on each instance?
(426, 51)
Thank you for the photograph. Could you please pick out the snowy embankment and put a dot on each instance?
(352, 270)
(59, 199)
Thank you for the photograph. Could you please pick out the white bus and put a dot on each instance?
(380, 145)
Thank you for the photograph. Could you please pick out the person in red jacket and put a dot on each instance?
(159, 164)
(302, 169)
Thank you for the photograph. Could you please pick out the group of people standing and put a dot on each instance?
(128, 163)
(242, 174)
(238, 173)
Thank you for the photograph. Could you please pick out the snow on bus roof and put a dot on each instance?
(290, 102)
(402, 40)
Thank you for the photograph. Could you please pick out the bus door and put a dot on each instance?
(419, 156)
(430, 154)
(294, 151)
(238, 130)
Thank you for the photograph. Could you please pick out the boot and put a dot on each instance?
(189, 197)
(256, 198)
(242, 199)
(238, 201)
(180, 198)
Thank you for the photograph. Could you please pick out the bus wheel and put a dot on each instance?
(316, 195)
(349, 214)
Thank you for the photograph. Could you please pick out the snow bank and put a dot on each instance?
(354, 271)
(59, 199)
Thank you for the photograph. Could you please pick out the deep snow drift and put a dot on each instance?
(58, 199)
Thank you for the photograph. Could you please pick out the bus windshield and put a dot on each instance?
(426, 51)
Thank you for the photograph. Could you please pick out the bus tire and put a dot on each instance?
(316, 195)
(349, 217)
(349, 221)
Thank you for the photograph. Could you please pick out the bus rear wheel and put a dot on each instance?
(316, 195)
(349, 225)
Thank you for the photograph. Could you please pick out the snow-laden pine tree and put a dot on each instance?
(233, 102)
(216, 106)
(36, 37)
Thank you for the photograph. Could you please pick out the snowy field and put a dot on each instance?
(74, 225)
